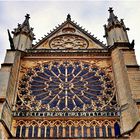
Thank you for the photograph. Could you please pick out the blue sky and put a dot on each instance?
(90, 14)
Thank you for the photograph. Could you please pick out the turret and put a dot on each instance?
(115, 30)
(123, 65)
(23, 35)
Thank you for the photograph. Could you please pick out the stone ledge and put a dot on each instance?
(132, 66)
(7, 64)
(2, 99)
(137, 101)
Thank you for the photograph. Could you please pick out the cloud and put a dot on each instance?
(45, 15)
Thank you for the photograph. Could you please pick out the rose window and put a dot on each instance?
(66, 86)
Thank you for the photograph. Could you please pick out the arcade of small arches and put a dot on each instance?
(67, 128)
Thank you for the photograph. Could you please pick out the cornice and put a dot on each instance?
(119, 45)
(79, 52)
(76, 26)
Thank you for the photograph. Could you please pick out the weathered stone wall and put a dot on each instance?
(129, 110)
(3, 133)
(8, 80)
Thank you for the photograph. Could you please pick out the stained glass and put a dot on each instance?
(104, 131)
(48, 131)
(79, 131)
(85, 131)
(66, 86)
(109, 131)
(72, 131)
(97, 131)
(60, 131)
(23, 131)
(67, 131)
(36, 131)
(117, 129)
(42, 131)
(55, 131)
(18, 131)
(92, 131)
(30, 132)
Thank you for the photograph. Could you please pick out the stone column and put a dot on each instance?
(76, 131)
(82, 130)
(112, 130)
(94, 131)
(39, 131)
(27, 131)
(51, 131)
(100, 131)
(33, 127)
(88, 131)
(64, 131)
(69, 131)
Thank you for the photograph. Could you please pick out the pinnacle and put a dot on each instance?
(24, 28)
(68, 17)
(26, 21)
(112, 18)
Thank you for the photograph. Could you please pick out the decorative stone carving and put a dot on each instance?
(68, 41)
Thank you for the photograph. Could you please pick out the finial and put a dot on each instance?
(68, 17)
(110, 9)
(27, 16)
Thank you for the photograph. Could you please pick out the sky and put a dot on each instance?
(90, 14)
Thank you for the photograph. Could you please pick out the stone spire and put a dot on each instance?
(23, 35)
(24, 28)
(115, 30)
(113, 20)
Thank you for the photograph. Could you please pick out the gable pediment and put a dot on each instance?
(69, 36)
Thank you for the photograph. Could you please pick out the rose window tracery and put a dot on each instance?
(69, 41)
(66, 86)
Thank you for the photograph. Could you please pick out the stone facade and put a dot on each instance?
(70, 85)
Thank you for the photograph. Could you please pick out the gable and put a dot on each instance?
(69, 36)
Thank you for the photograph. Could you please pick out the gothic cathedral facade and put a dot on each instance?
(69, 85)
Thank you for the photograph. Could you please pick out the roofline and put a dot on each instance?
(74, 24)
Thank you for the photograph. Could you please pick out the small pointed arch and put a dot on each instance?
(45, 123)
(21, 122)
(82, 123)
(106, 123)
(33, 122)
(57, 123)
(70, 123)
(94, 123)
(117, 129)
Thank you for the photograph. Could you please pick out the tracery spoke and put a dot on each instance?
(57, 77)
(77, 97)
(40, 82)
(42, 93)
